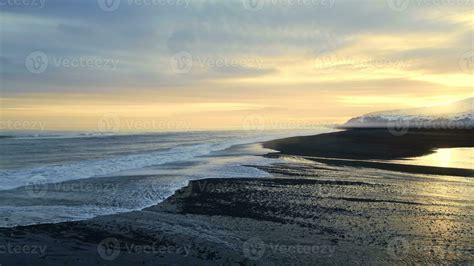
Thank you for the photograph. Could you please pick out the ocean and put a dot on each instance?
(56, 177)
(111, 186)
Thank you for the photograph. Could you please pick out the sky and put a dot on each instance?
(172, 65)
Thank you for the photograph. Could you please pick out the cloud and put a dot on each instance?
(351, 47)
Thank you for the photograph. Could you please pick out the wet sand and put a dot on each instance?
(416, 169)
(275, 221)
(359, 147)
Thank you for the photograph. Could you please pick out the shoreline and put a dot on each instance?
(397, 167)
(372, 143)
(358, 147)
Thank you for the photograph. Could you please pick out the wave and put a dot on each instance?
(30, 215)
(55, 135)
(10, 179)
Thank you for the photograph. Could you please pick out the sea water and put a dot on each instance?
(56, 177)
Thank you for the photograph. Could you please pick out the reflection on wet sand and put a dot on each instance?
(448, 157)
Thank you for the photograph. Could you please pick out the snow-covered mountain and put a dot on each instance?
(454, 115)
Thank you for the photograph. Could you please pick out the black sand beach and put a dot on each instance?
(265, 222)
(352, 146)
(373, 143)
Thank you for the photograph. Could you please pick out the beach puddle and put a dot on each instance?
(448, 157)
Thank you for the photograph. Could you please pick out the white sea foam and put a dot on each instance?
(10, 179)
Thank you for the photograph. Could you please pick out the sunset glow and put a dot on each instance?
(311, 68)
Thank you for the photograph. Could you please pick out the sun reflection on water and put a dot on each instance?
(449, 157)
